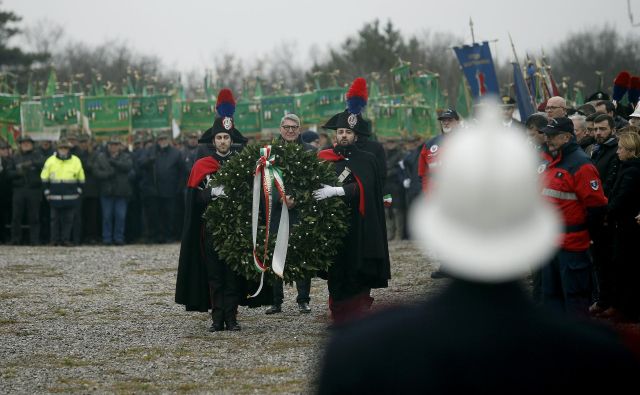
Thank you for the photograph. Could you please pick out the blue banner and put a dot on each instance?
(477, 66)
(523, 97)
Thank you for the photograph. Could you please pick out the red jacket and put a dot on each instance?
(429, 159)
(571, 182)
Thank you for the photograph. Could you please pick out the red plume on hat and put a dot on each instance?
(225, 104)
(357, 96)
(634, 90)
(621, 85)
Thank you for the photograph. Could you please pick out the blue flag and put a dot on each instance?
(523, 97)
(477, 66)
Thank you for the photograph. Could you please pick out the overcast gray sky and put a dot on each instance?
(185, 33)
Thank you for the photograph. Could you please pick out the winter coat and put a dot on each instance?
(606, 160)
(113, 174)
(161, 172)
(25, 168)
(63, 179)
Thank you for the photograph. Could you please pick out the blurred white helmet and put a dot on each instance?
(484, 215)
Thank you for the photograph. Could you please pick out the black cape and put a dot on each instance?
(192, 286)
(364, 253)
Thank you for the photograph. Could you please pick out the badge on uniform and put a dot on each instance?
(352, 120)
(594, 184)
(345, 173)
(433, 148)
(227, 123)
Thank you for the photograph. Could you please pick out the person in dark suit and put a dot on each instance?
(481, 334)
(508, 108)
(624, 206)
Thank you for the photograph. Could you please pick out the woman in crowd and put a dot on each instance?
(624, 207)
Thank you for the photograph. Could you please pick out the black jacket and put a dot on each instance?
(363, 258)
(88, 158)
(113, 174)
(624, 200)
(161, 171)
(197, 260)
(475, 339)
(606, 160)
(25, 170)
(377, 150)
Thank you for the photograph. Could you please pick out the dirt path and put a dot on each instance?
(102, 319)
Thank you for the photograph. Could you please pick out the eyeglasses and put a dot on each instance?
(551, 108)
(591, 129)
(290, 127)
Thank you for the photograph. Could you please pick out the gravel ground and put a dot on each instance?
(102, 319)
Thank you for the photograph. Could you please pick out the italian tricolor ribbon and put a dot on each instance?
(266, 176)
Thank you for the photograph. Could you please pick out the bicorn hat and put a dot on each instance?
(351, 118)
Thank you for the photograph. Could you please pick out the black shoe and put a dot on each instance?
(233, 325)
(216, 327)
(304, 307)
(439, 274)
(276, 308)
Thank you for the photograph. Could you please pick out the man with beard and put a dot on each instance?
(429, 160)
(606, 161)
(362, 261)
(430, 154)
(290, 134)
(204, 279)
(480, 333)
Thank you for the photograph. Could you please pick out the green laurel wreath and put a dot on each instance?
(314, 239)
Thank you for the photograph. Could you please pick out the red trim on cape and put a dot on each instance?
(361, 205)
(200, 169)
(330, 155)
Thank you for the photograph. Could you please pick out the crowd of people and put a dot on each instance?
(77, 191)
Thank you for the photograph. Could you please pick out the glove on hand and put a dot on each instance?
(327, 191)
(217, 191)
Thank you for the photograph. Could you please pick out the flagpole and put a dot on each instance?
(513, 48)
(473, 36)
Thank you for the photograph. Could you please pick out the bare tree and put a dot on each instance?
(582, 54)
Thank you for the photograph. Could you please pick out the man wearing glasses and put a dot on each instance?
(290, 133)
(556, 107)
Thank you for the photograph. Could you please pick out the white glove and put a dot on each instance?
(406, 183)
(327, 191)
(401, 164)
(217, 191)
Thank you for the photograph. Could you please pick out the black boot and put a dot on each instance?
(217, 323)
(230, 318)
(217, 312)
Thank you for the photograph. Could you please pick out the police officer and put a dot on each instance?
(508, 108)
(572, 184)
